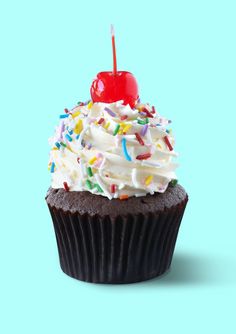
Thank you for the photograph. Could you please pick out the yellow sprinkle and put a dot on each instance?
(79, 127)
(107, 125)
(122, 124)
(55, 149)
(90, 105)
(120, 132)
(159, 146)
(96, 123)
(77, 113)
(148, 180)
(92, 160)
(127, 127)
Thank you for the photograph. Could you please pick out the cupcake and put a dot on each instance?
(114, 199)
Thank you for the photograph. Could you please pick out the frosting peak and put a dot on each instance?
(112, 150)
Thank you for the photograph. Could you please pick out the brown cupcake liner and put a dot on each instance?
(123, 249)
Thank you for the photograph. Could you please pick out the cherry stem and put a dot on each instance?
(113, 50)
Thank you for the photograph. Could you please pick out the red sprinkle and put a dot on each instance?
(122, 197)
(113, 188)
(144, 156)
(78, 160)
(66, 110)
(166, 139)
(153, 110)
(147, 112)
(123, 117)
(66, 187)
(139, 139)
(101, 120)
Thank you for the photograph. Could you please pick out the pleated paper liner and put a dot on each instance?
(122, 249)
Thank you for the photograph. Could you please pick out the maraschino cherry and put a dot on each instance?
(112, 86)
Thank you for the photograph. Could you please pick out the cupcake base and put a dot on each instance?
(116, 241)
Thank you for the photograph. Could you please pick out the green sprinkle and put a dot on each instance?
(173, 182)
(147, 120)
(98, 187)
(141, 122)
(116, 130)
(88, 184)
(89, 171)
(62, 144)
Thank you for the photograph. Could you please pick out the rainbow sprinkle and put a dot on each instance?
(148, 180)
(123, 197)
(75, 114)
(64, 116)
(113, 188)
(126, 128)
(168, 144)
(116, 129)
(144, 130)
(110, 112)
(107, 125)
(78, 127)
(62, 144)
(92, 160)
(139, 139)
(89, 171)
(98, 187)
(68, 137)
(89, 184)
(101, 120)
(52, 167)
(66, 187)
(57, 145)
(123, 142)
(90, 104)
(143, 156)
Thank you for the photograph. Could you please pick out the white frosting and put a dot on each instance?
(113, 175)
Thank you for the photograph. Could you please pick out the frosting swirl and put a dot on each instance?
(112, 150)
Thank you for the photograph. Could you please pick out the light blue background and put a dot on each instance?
(183, 56)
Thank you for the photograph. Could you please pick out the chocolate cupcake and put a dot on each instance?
(114, 201)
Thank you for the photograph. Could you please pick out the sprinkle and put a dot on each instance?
(142, 122)
(62, 144)
(125, 149)
(107, 125)
(52, 167)
(78, 160)
(83, 143)
(70, 132)
(173, 182)
(123, 117)
(123, 197)
(75, 114)
(90, 104)
(89, 146)
(66, 110)
(64, 116)
(62, 129)
(88, 184)
(89, 171)
(92, 160)
(98, 187)
(139, 139)
(147, 120)
(57, 145)
(80, 103)
(147, 112)
(113, 188)
(110, 112)
(116, 130)
(78, 127)
(168, 144)
(66, 187)
(153, 110)
(68, 137)
(126, 128)
(159, 146)
(148, 180)
(101, 120)
(144, 130)
(144, 156)
(142, 113)
(77, 137)
(167, 131)
(102, 185)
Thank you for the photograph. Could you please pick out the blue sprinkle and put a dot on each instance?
(68, 137)
(57, 145)
(125, 149)
(168, 131)
(52, 167)
(70, 132)
(64, 116)
(77, 137)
